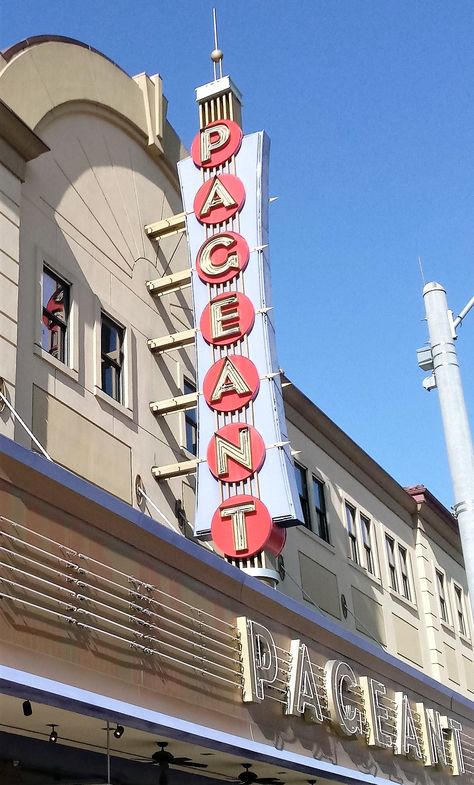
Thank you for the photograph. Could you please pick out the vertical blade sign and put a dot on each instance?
(246, 493)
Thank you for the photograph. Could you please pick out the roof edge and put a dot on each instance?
(10, 52)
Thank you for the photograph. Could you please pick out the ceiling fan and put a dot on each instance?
(248, 777)
(164, 759)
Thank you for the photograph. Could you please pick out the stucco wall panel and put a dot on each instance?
(81, 446)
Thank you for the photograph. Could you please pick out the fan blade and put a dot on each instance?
(181, 761)
(163, 778)
(268, 780)
(191, 764)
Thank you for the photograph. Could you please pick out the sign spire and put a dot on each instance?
(216, 54)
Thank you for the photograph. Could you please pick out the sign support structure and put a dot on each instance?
(246, 494)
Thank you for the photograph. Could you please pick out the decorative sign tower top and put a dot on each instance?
(246, 491)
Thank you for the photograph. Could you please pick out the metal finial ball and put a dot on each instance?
(217, 55)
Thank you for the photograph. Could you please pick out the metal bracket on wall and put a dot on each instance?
(3, 393)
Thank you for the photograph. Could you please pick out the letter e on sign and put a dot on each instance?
(227, 318)
(216, 143)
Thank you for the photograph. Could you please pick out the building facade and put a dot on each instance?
(357, 667)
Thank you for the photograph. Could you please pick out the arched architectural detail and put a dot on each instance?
(51, 77)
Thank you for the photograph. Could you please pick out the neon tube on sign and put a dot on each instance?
(246, 490)
(354, 706)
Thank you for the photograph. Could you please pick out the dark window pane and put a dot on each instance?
(320, 509)
(111, 343)
(351, 532)
(190, 420)
(302, 485)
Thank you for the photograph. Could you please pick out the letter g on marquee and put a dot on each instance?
(222, 257)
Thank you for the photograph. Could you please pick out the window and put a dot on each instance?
(406, 591)
(320, 509)
(461, 620)
(55, 315)
(443, 605)
(111, 357)
(352, 534)
(392, 569)
(302, 485)
(365, 525)
(190, 420)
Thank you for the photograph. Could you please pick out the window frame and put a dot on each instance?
(125, 405)
(368, 543)
(362, 539)
(189, 420)
(110, 360)
(70, 366)
(62, 348)
(390, 552)
(461, 611)
(320, 514)
(350, 517)
(405, 582)
(306, 506)
(442, 594)
(181, 378)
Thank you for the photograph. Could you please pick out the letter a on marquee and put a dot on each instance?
(219, 199)
(231, 383)
(303, 698)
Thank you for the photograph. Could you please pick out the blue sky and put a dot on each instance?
(369, 106)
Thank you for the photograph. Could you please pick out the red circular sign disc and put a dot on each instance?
(218, 141)
(249, 452)
(219, 199)
(222, 257)
(225, 381)
(227, 319)
(241, 527)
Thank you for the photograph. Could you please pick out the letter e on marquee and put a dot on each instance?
(216, 143)
(219, 199)
(241, 527)
(231, 383)
(227, 318)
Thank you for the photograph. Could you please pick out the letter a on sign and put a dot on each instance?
(219, 199)
(231, 383)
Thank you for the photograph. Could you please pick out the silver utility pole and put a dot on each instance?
(447, 378)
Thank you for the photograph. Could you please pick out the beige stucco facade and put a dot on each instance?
(87, 160)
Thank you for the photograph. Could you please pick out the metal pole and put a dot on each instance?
(457, 432)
